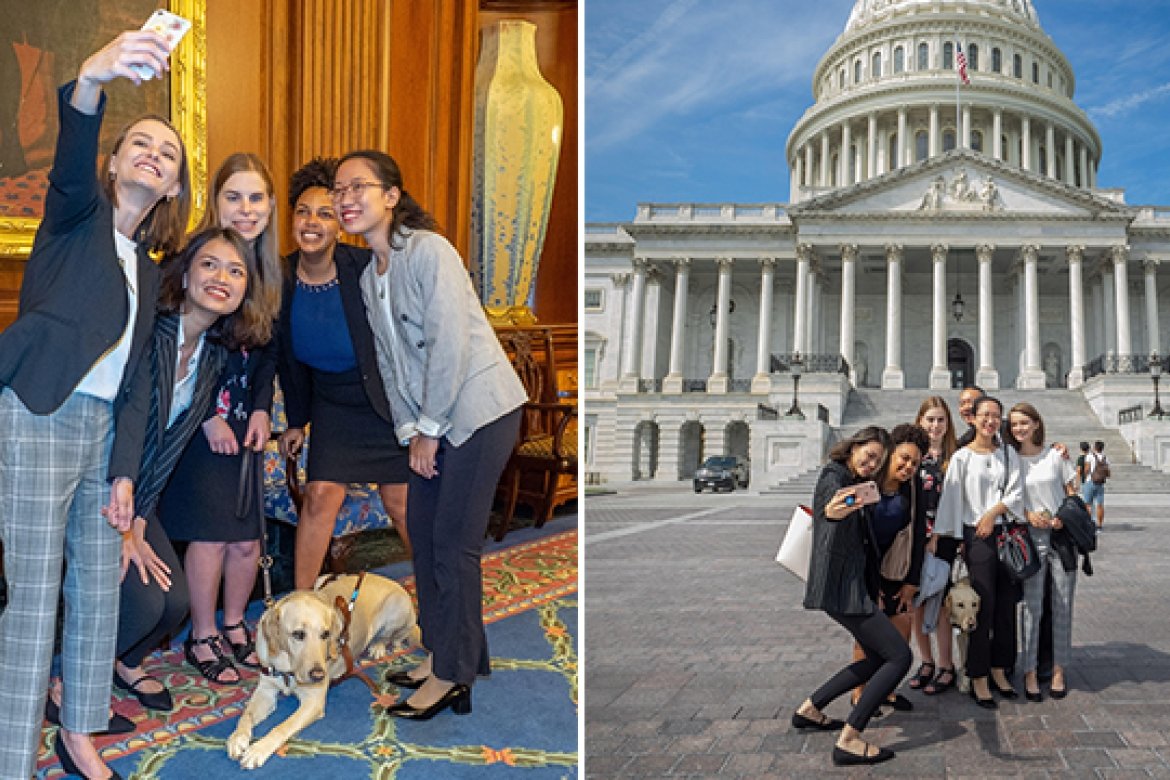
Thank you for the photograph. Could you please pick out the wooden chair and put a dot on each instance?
(542, 470)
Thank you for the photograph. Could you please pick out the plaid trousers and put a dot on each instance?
(1064, 585)
(52, 488)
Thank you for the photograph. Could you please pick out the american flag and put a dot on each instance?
(961, 64)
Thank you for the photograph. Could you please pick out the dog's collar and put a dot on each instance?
(285, 677)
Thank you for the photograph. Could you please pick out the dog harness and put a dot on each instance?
(346, 609)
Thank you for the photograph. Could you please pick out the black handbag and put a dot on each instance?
(1077, 520)
(1017, 552)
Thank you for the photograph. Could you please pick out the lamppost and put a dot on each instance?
(795, 367)
(1156, 374)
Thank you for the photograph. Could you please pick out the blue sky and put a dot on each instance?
(693, 100)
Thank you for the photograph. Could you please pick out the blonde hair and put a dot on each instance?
(949, 443)
(270, 275)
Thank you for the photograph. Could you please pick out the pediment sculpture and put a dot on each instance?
(961, 194)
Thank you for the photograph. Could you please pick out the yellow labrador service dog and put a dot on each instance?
(962, 605)
(300, 645)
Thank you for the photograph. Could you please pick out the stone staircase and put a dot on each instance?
(1067, 418)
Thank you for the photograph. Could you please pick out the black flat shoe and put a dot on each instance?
(458, 698)
(988, 704)
(900, 703)
(119, 724)
(1008, 692)
(67, 763)
(828, 724)
(404, 680)
(1036, 697)
(1058, 693)
(154, 700)
(845, 758)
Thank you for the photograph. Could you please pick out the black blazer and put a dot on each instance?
(296, 378)
(843, 570)
(73, 298)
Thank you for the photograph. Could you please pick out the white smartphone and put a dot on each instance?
(172, 27)
(862, 495)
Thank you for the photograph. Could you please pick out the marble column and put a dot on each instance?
(1026, 143)
(815, 324)
(1069, 161)
(903, 157)
(1121, 289)
(652, 323)
(935, 140)
(794, 180)
(1096, 316)
(673, 381)
(1084, 164)
(965, 134)
(1032, 377)
(1108, 299)
(1076, 313)
(871, 147)
(997, 135)
(717, 382)
(762, 381)
(825, 176)
(987, 376)
(848, 305)
(804, 254)
(810, 175)
(892, 376)
(846, 175)
(1153, 337)
(633, 363)
(621, 285)
(940, 375)
(1050, 150)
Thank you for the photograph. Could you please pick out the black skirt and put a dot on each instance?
(348, 441)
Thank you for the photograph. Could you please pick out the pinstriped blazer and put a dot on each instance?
(163, 445)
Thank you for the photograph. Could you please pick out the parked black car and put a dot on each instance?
(721, 472)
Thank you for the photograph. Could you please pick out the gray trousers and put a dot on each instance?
(52, 488)
(1064, 585)
(447, 518)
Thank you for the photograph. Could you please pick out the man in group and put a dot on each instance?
(967, 398)
(1093, 489)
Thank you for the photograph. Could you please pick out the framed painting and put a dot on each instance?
(42, 46)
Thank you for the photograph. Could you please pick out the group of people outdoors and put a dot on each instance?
(136, 387)
(946, 497)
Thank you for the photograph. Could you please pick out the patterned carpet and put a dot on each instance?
(524, 718)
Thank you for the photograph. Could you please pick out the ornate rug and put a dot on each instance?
(524, 716)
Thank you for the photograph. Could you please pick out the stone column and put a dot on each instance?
(717, 382)
(1108, 298)
(621, 285)
(848, 302)
(1084, 163)
(762, 381)
(846, 175)
(965, 133)
(674, 379)
(794, 180)
(935, 137)
(810, 176)
(987, 376)
(892, 376)
(804, 254)
(1076, 314)
(630, 375)
(825, 176)
(651, 324)
(996, 135)
(902, 156)
(1069, 161)
(1050, 150)
(1153, 337)
(1026, 143)
(814, 307)
(871, 147)
(940, 375)
(1096, 316)
(1121, 288)
(1033, 374)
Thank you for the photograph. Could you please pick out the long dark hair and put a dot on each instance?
(841, 450)
(407, 211)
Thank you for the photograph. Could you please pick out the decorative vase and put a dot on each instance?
(518, 130)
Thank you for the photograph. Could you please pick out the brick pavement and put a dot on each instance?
(697, 650)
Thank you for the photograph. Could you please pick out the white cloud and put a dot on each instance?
(1124, 105)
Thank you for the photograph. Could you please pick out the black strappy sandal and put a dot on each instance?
(212, 670)
(922, 677)
(241, 650)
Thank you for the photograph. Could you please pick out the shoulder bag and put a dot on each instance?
(1014, 544)
(896, 562)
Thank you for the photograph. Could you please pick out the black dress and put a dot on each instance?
(199, 503)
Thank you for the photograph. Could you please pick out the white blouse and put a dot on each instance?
(1045, 476)
(972, 486)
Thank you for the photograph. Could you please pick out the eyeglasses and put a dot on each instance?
(989, 417)
(355, 188)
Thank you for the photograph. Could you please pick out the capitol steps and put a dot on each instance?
(1067, 418)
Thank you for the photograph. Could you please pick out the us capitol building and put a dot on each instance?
(925, 248)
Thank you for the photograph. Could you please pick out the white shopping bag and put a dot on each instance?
(796, 549)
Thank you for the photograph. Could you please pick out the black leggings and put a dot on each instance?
(887, 659)
(147, 613)
(993, 642)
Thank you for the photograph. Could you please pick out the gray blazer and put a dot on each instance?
(444, 369)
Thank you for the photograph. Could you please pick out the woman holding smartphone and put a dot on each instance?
(843, 582)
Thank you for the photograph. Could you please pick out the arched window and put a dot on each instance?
(899, 59)
(1043, 155)
(1018, 66)
(996, 60)
(876, 70)
(921, 145)
(892, 152)
(1035, 72)
(948, 140)
(924, 56)
(948, 56)
(857, 71)
(973, 56)
(977, 140)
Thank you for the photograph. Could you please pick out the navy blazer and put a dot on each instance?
(296, 380)
(73, 305)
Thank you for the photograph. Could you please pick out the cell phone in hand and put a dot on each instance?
(863, 494)
(170, 26)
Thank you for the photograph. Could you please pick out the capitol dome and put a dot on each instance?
(885, 96)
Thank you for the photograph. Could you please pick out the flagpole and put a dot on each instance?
(958, 81)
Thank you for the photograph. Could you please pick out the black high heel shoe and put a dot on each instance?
(69, 765)
(988, 704)
(1008, 693)
(404, 680)
(458, 698)
(119, 724)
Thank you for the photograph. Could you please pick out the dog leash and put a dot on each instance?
(346, 609)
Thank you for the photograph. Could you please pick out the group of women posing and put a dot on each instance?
(135, 397)
(949, 497)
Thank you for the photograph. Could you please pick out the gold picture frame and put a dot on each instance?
(188, 108)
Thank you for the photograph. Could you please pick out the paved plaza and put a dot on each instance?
(697, 650)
